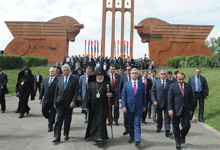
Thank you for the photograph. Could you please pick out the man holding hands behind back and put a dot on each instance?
(134, 104)
(180, 107)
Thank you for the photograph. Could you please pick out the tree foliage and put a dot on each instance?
(213, 44)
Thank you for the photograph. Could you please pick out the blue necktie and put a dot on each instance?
(65, 83)
(50, 81)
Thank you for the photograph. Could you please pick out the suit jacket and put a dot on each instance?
(116, 83)
(66, 96)
(176, 100)
(153, 80)
(173, 79)
(82, 87)
(4, 81)
(40, 79)
(149, 87)
(134, 102)
(123, 80)
(159, 93)
(48, 92)
(205, 89)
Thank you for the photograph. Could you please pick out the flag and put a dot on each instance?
(88, 48)
(101, 48)
(91, 48)
(124, 48)
(95, 48)
(127, 48)
(121, 48)
(118, 49)
(130, 48)
(115, 49)
(85, 48)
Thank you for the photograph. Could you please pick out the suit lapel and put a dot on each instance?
(69, 81)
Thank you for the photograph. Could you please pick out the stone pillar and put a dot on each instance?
(113, 29)
(103, 26)
(132, 27)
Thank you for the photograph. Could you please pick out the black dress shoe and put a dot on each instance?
(21, 116)
(125, 132)
(116, 123)
(27, 112)
(17, 111)
(137, 144)
(56, 140)
(178, 147)
(109, 124)
(158, 130)
(131, 141)
(144, 122)
(183, 140)
(201, 120)
(66, 138)
(167, 134)
(99, 142)
(3, 111)
(50, 129)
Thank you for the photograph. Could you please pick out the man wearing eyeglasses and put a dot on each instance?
(180, 107)
(125, 78)
(159, 94)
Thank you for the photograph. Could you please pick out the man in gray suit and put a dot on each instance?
(65, 99)
(83, 84)
(200, 91)
(115, 81)
(153, 79)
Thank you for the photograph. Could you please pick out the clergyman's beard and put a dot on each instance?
(100, 81)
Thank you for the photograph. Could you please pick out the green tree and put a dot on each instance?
(213, 44)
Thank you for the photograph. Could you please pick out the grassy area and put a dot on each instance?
(13, 75)
(212, 105)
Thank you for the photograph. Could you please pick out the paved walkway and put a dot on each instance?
(31, 133)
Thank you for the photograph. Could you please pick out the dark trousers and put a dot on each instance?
(134, 122)
(23, 103)
(160, 118)
(155, 113)
(200, 97)
(184, 118)
(115, 111)
(63, 115)
(125, 121)
(37, 86)
(149, 106)
(2, 101)
(49, 113)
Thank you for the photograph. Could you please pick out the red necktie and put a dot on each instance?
(163, 84)
(145, 84)
(135, 88)
(113, 84)
(182, 90)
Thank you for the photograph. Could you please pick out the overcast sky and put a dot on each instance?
(89, 13)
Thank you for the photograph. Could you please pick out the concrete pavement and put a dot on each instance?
(31, 133)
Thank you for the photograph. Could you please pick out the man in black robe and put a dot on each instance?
(24, 88)
(96, 102)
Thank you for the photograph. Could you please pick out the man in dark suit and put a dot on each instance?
(114, 81)
(47, 93)
(105, 67)
(200, 91)
(134, 104)
(170, 76)
(38, 80)
(148, 85)
(65, 99)
(123, 80)
(4, 89)
(153, 79)
(180, 107)
(159, 94)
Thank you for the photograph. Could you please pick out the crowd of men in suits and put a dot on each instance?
(140, 93)
(121, 62)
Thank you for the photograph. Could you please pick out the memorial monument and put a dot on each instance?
(46, 39)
